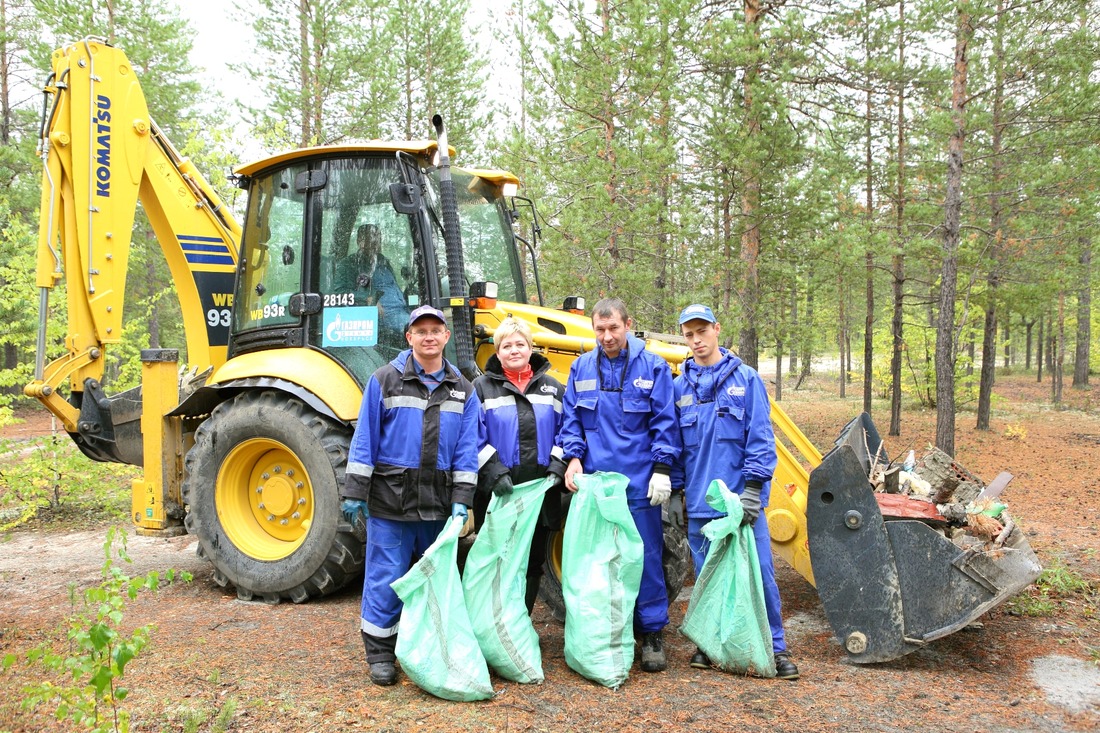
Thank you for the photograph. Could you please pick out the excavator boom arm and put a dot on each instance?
(101, 155)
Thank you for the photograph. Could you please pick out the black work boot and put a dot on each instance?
(699, 660)
(653, 653)
(785, 669)
(383, 673)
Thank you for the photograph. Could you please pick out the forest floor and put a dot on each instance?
(216, 663)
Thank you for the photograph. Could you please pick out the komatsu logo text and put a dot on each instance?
(103, 146)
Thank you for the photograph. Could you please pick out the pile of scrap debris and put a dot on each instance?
(938, 491)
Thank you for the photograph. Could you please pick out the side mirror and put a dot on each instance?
(573, 304)
(405, 198)
(304, 304)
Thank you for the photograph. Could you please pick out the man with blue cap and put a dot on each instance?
(725, 423)
(412, 464)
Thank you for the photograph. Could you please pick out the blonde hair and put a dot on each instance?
(511, 326)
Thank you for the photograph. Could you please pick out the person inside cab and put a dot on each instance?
(368, 274)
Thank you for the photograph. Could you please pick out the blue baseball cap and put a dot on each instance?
(425, 311)
(696, 311)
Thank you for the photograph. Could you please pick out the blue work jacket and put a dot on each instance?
(621, 420)
(725, 423)
(414, 451)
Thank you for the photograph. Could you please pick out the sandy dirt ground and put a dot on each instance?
(298, 668)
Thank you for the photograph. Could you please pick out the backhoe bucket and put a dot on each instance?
(891, 586)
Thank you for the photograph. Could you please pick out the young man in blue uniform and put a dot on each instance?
(412, 464)
(725, 423)
(620, 416)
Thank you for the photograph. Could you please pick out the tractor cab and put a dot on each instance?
(340, 244)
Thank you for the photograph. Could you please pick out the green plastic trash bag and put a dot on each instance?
(601, 574)
(726, 616)
(495, 582)
(436, 646)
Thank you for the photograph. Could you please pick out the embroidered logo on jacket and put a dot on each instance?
(643, 383)
(736, 391)
(548, 389)
(455, 394)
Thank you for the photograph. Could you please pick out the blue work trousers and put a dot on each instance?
(651, 609)
(700, 544)
(391, 548)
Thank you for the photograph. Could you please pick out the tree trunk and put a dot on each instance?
(750, 203)
(842, 318)
(1060, 345)
(792, 369)
(945, 327)
(1039, 352)
(869, 316)
(898, 265)
(993, 277)
(1084, 317)
(778, 370)
(1007, 339)
(989, 359)
(1027, 356)
(807, 342)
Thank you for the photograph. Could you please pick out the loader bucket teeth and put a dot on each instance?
(890, 586)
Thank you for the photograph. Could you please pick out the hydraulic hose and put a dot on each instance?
(463, 326)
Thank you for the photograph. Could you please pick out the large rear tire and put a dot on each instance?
(263, 493)
(676, 562)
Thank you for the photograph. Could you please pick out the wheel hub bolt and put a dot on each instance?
(284, 522)
(301, 501)
(277, 469)
(296, 515)
(289, 471)
(261, 506)
(266, 475)
(259, 489)
(271, 517)
(298, 486)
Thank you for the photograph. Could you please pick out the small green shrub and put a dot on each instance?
(86, 689)
(1047, 595)
(49, 477)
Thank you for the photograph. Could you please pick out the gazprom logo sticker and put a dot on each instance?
(643, 383)
(548, 389)
(736, 391)
(457, 395)
(351, 326)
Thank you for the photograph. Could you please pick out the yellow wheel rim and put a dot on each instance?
(553, 552)
(264, 499)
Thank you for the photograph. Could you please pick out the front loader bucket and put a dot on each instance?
(891, 586)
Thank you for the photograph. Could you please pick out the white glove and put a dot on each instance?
(660, 488)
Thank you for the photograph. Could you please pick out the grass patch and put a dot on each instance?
(1057, 586)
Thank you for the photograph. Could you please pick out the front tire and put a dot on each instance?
(263, 493)
(676, 562)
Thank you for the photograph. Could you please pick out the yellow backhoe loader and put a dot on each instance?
(245, 444)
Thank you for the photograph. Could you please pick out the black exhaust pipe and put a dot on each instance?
(456, 266)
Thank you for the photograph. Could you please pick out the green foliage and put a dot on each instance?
(1056, 586)
(86, 686)
(49, 474)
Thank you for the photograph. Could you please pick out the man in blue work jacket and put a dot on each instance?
(412, 464)
(619, 415)
(725, 423)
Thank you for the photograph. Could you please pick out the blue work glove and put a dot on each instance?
(458, 510)
(351, 507)
(750, 501)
